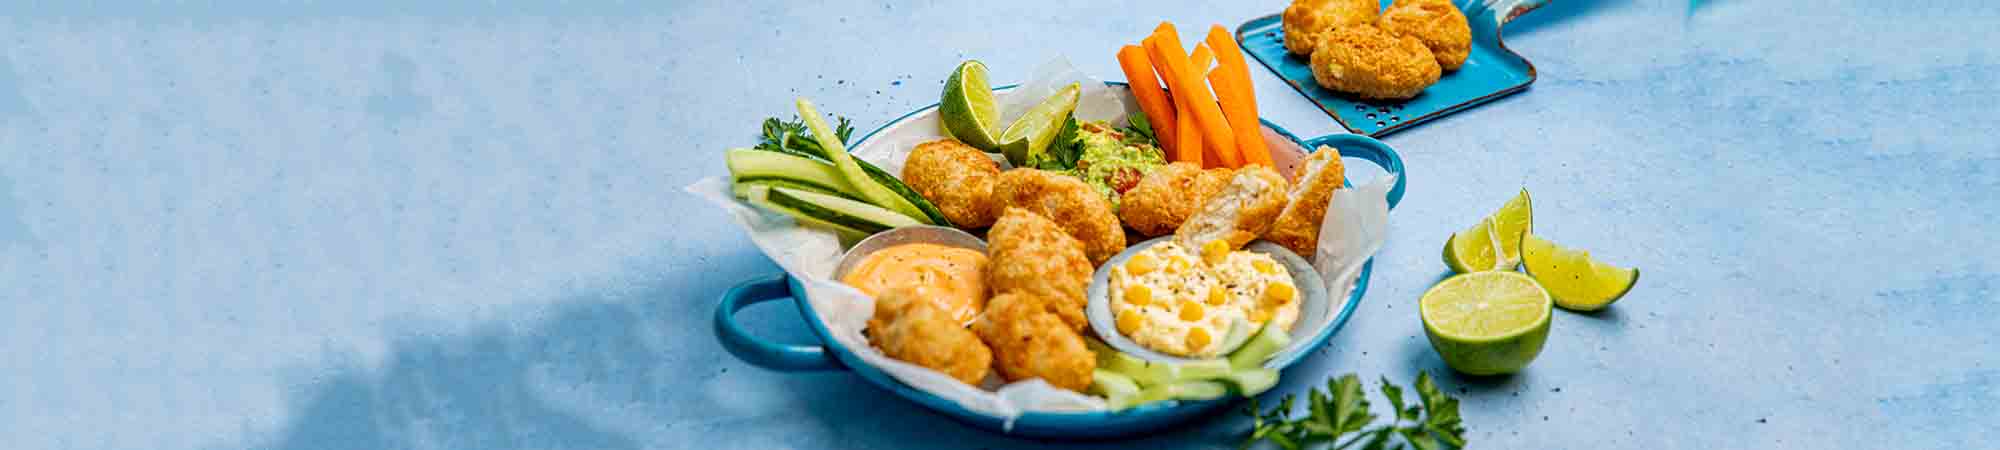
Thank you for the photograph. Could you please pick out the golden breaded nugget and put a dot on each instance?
(1029, 253)
(1305, 20)
(1373, 64)
(955, 177)
(1242, 211)
(912, 330)
(1167, 196)
(1069, 202)
(1437, 23)
(1298, 225)
(1031, 342)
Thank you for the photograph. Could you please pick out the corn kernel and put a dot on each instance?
(1191, 311)
(1128, 322)
(1138, 295)
(1260, 315)
(1264, 266)
(1279, 292)
(1142, 264)
(1217, 295)
(1177, 265)
(1215, 251)
(1198, 338)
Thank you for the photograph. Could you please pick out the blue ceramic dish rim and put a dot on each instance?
(1500, 38)
(831, 355)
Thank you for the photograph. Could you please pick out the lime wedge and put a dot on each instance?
(1036, 129)
(1495, 243)
(1577, 282)
(968, 111)
(1486, 323)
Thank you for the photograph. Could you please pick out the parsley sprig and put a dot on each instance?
(1339, 416)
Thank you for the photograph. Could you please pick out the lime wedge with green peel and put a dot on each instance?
(1036, 129)
(968, 112)
(1577, 282)
(1487, 323)
(1495, 243)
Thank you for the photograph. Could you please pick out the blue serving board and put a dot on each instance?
(1491, 71)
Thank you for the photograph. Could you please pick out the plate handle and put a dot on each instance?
(758, 352)
(1364, 147)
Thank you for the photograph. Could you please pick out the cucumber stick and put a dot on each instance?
(783, 170)
(760, 196)
(851, 214)
(836, 151)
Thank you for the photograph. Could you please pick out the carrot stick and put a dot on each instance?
(1188, 147)
(1187, 133)
(1226, 154)
(1146, 87)
(1189, 89)
(1239, 99)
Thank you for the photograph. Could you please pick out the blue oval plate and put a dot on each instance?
(922, 125)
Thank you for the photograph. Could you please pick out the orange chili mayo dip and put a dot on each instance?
(952, 278)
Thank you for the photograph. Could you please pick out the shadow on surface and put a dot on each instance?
(633, 369)
(1558, 12)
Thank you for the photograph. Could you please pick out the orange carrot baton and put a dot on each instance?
(1165, 47)
(1199, 63)
(1187, 132)
(1146, 88)
(1239, 99)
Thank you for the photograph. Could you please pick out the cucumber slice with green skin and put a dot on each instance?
(1159, 373)
(1250, 382)
(932, 214)
(789, 184)
(869, 189)
(746, 165)
(1114, 387)
(1184, 390)
(852, 214)
(760, 196)
(1267, 342)
(1240, 331)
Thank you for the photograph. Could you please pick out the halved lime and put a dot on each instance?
(1486, 323)
(1495, 243)
(1036, 129)
(1577, 282)
(968, 111)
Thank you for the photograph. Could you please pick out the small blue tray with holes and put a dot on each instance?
(1491, 71)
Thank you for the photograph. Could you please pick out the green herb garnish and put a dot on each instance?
(1339, 416)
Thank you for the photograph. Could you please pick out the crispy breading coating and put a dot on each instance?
(1306, 20)
(1438, 24)
(955, 177)
(913, 330)
(1298, 225)
(1069, 202)
(1167, 196)
(1242, 211)
(1031, 342)
(1370, 63)
(1029, 253)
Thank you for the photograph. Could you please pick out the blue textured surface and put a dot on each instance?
(454, 225)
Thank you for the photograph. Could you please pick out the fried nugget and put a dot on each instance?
(1167, 196)
(1306, 20)
(912, 330)
(1027, 252)
(1069, 202)
(1438, 24)
(1242, 211)
(1031, 342)
(955, 177)
(1370, 63)
(1298, 225)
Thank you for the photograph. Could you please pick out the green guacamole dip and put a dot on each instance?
(1114, 160)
